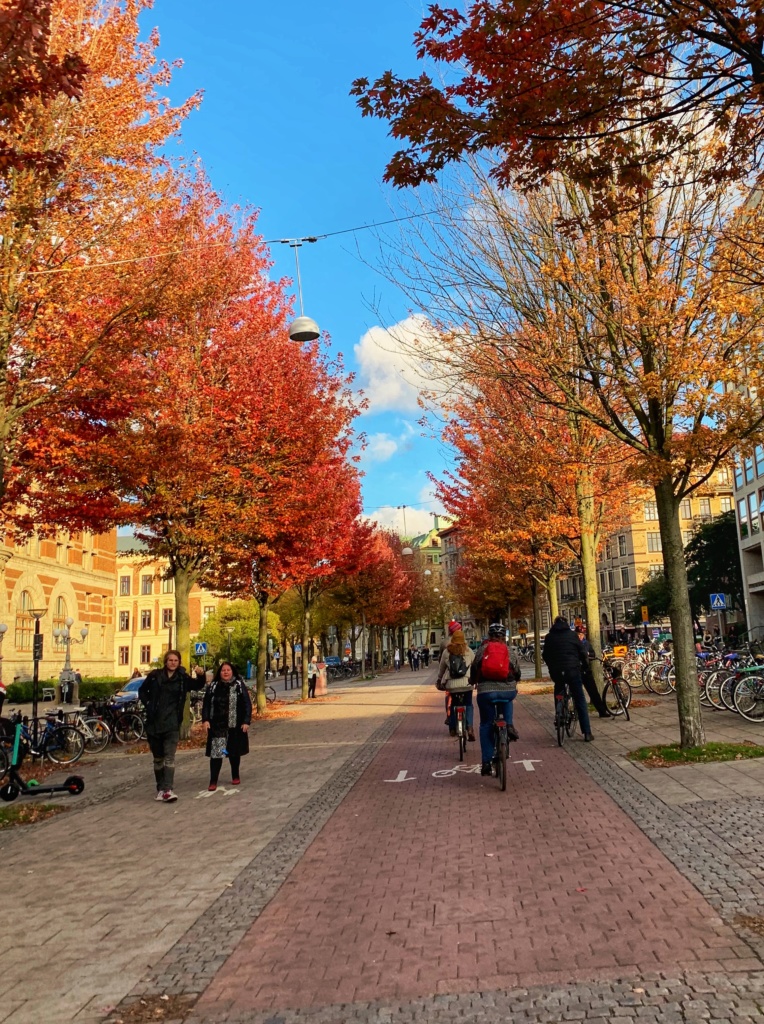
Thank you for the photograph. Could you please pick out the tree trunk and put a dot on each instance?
(551, 592)
(585, 506)
(536, 637)
(363, 645)
(307, 601)
(691, 732)
(263, 601)
(183, 579)
(373, 648)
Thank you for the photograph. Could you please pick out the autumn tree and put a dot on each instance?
(82, 193)
(583, 86)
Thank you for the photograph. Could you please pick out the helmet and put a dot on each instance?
(453, 626)
(496, 631)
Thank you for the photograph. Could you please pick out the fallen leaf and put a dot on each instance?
(580, 890)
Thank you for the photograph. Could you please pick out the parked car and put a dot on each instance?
(129, 692)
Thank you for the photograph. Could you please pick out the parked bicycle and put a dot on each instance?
(58, 742)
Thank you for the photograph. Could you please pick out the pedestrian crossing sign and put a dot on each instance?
(200, 648)
(718, 603)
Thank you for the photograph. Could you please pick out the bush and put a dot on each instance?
(90, 689)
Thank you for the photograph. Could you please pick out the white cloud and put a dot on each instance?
(380, 448)
(388, 374)
(418, 520)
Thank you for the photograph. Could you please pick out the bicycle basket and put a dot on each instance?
(620, 651)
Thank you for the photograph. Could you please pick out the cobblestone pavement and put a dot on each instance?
(544, 897)
(94, 899)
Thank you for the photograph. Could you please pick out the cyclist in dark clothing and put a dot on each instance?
(588, 678)
(163, 695)
(565, 656)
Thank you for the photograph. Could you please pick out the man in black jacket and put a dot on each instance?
(587, 676)
(565, 655)
(163, 695)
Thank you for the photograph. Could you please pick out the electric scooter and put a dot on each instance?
(15, 785)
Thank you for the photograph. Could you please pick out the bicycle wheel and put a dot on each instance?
(559, 722)
(97, 735)
(748, 697)
(713, 687)
(660, 682)
(64, 745)
(501, 753)
(461, 737)
(270, 694)
(617, 696)
(128, 728)
(726, 691)
(571, 718)
(5, 762)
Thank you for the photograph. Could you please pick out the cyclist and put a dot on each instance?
(587, 676)
(453, 677)
(565, 655)
(495, 672)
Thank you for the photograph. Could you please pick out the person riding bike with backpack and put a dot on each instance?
(495, 672)
(565, 656)
(453, 677)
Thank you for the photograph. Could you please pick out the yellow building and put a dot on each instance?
(633, 553)
(66, 576)
(145, 609)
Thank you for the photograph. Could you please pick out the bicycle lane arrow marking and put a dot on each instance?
(403, 776)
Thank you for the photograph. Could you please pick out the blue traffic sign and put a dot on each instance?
(718, 603)
(200, 648)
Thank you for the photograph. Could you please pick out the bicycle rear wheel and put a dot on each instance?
(617, 696)
(559, 722)
(502, 759)
(748, 696)
(97, 735)
(270, 694)
(571, 718)
(64, 745)
(128, 728)
(461, 737)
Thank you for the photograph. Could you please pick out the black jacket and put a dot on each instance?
(564, 652)
(148, 694)
(216, 701)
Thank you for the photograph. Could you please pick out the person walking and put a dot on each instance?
(397, 660)
(453, 677)
(226, 714)
(415, 659)
(163, 695)
(495, 672)
(587, 676)
(565, 655)
(312, 676)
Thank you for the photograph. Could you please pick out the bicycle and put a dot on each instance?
(616, 692)
(95, 731)
(459, 706)
(125, 726)
(60, 743)
(565, 718)
(501, 744)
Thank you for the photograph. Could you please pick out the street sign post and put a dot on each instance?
(645, 613)
(200, 649)
(718, 603)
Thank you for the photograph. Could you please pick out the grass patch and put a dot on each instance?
(27, 814)
(672, 754)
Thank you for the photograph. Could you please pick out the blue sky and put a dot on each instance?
(278, 130)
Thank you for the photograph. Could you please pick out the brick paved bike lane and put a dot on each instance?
(434, 881)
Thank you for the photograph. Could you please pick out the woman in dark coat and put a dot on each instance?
(226, 714)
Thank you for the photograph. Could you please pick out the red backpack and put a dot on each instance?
(495, 663)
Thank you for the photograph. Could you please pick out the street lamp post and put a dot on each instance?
(36, 658)
(67, 677)
(229, 631)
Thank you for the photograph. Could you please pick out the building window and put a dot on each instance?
(626, 609)
(168, 585)
(625, 578)
(209, 611)
(146, 619)
(611, 580)
(754, 510)
(59, 622)
(738, 474)
(725, 503)
(145, 654)
(655, 570)
(651, 510)
(622, 544)
(24, 622)
(166, 617)
(607, 549)
(602, 581)
(654, 542)
(685, 508)
(686, 537)
(723, 475)
(748, 464)
(705, 509)
(742, 516)
(124, 586)
(147, 584)
(124, 620)
(124, 655)
(61, 554)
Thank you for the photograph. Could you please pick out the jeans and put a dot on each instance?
(163, 746)
(576, 686)
(486, 707)
(469, 714)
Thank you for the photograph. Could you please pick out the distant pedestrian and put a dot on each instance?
(410, 656)
(426, 656)
(312, 676)
(3, 695)
(226, 714)
(397, 659)
(136, 674)
(163, 695)
(415, 659)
